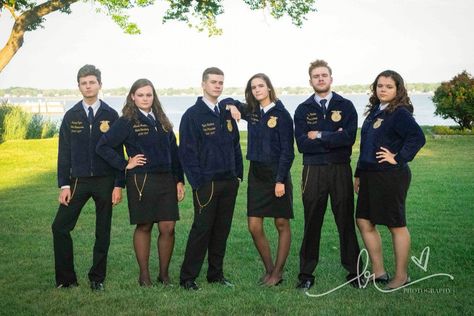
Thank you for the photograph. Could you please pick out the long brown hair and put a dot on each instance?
(401, 98)
(130, 110)
(250, 99)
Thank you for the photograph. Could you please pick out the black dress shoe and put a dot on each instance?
(189, 285)
(67, 285)
(408, 280)
(97, 286)
(222, 281)
(357, 282)
(383, 279)
(304, 285)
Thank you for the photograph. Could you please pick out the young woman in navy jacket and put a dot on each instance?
(155, 180)
(271, 153)
(390, 138)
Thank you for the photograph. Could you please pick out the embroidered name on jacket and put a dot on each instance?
(209, 128)
(311, 118)
(254, 118)
(141, 129)
(76, 126)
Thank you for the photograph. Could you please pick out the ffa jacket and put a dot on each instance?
(334, 147)
(209, 147)
(396, 131)
(141, 137)
(270, 138)
(77, 142)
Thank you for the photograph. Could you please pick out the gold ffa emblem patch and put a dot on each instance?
(229, 125)
(378, 123)
(336, 116)
(104, 126)
(272, 122)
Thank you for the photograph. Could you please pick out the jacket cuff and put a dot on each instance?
(357, 173)
(399, 159)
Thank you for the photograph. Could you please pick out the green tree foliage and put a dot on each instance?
(455, 100)
(199, 14)
(15, 123)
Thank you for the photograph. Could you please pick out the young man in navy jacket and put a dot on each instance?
(211, 157)
(82, 175)
(325, 130)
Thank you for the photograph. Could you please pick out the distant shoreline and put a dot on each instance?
(25, 92)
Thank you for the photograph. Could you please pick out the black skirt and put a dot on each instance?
(382, 196)
(261, 199)
(158, 201)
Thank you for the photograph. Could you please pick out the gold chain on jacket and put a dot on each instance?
(140, 191)
(201, 206)
(303, 185)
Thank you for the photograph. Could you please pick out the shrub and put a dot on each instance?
(450, 130)
(455, 100)
(4, 110)
(35, 127)
(16, 123)
(49, 129)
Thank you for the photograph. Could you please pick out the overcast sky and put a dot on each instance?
(424, 40)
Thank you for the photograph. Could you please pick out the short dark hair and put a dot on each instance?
(319, 63)
(211, 71)
(89, 70)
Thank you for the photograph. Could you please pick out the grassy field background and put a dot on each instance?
(440, 215)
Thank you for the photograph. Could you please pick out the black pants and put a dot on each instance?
(210, 229)
(319, 182)
(100, 189)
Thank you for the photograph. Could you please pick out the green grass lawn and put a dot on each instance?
(440, 215)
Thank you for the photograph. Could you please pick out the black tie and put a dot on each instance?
(262, 112)
(323, 105)
(216, 110)
(90, 116)
(152, 120)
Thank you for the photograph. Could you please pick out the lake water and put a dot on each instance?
(175, 106)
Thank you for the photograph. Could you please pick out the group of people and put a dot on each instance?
(91, 163)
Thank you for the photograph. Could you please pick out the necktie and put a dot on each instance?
(323, 105)
(262, 112)
(216, 110)
(152, 120)
(90, 116)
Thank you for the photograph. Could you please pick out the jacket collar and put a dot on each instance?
(278, 107)
(335, 99)
(103, 107)
(204, 109)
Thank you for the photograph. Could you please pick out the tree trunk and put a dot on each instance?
(22, 23)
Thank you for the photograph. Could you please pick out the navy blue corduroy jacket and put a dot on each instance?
(270, 138)
(397, 131)
(141, 137)
(77, 142)
(209, 147)
(334, 147)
